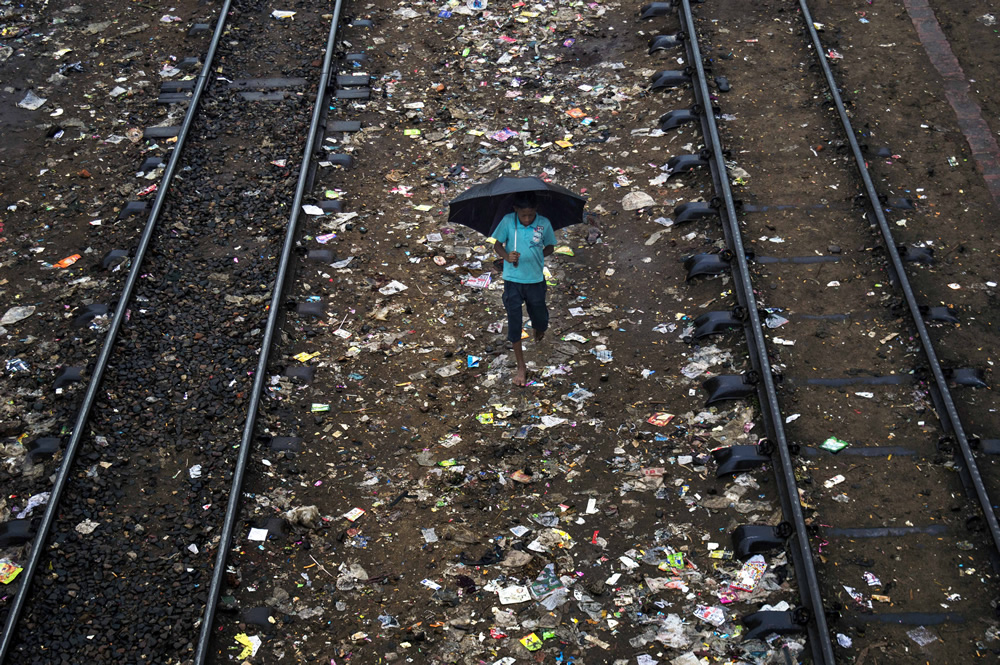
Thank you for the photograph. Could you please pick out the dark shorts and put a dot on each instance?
(531, 296)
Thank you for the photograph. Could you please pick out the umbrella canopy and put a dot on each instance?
(483, 206)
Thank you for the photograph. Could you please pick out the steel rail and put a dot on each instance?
(73, 446)
(246, 442)
(809, 588)
(951, 413)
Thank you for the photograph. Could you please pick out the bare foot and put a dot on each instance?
(520, 379)
(539, 335)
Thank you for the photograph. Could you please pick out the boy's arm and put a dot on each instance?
(548, 249)
(501, 250)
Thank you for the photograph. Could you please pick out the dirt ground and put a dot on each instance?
(496, 515)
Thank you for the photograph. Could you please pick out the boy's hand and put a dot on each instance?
(513, 257)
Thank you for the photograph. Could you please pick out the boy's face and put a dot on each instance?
(525, 215)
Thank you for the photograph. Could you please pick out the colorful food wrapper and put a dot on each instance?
(713, 615)
(750, 574)
(834, 445)
(660, 419)
(531, 642)
(546, 582)
(8, 571)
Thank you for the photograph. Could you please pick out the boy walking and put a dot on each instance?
(523, 240)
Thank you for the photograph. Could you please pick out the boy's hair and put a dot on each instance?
(524, 200)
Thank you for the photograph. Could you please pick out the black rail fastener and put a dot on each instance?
(664, 42)
(310, 308)
(724, 387)
(361, 23)
(750, 539)
(67, 376)
(717, 322)
(683, 163)
(352, 80)
(353, 93)
(173, 98)
(270, 332)
(939, 314)
(133, 208)
(286, 444)
(340, 159)
(356, 57)
(44, 447)
(801, 550)
(262, 617)
(669, 78)
(300, 373)
(14, 533)
(114, 258)
(321, 255)
(912, 254)
(88, 313)
(741, 458)
(199, 29)
(708, 264)
(161, 132)
(335, 205)
(970, 377)
(692, 210)
(900, 203)
(676, 118)
(656, 9)
(987, 446)
(950, 411)
(178, 86)
(93, 387)
(151, 164)
(344, 126)
(761, 624)
(276, 527)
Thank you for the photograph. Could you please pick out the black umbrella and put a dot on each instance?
(483, 206)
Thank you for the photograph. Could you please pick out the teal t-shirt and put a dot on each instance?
(530, 241)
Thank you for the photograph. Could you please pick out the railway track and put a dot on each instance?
(866, 420)
(174, 391)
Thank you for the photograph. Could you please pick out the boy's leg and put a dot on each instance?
(522, 369)
(512, 300)
(538, 312)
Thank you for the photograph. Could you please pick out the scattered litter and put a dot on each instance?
(15, 314)
(637, 200)
(353, 514)
(257, 534)
(392, 288)
(836, 480)
(834, 445)
(86, 527)
(31, 101)
(922, 636)
(250, 644)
